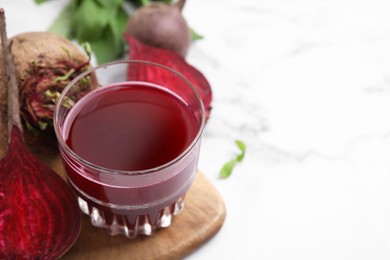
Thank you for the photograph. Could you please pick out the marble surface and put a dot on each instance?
(306, 85)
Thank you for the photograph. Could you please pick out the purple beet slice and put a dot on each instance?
(39, 215)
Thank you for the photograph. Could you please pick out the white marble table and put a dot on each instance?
(306, 85)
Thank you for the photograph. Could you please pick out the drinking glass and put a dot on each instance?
(130, 202)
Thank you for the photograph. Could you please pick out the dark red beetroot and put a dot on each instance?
(39, 215)
(140, 51)
(161, 25)
(45, 63)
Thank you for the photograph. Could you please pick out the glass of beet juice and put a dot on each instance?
(129, 135)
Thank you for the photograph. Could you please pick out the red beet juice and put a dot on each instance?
(127, 136)
(130, 127)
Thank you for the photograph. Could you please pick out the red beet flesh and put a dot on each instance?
(39, 215)
(140, 51)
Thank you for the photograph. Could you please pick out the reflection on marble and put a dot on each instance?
(306, 85)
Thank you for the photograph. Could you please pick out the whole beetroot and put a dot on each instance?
(161, 25)
(45, 63)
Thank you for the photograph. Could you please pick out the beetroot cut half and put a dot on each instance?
(140, 51)
(39, 214)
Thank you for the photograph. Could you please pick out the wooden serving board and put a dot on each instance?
(201, 218)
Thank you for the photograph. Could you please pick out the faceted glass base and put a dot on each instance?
(131, 226)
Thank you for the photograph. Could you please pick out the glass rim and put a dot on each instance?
(105, 170)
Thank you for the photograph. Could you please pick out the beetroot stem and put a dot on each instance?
(13, 89)
(180, 4)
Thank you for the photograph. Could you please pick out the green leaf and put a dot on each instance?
(75, 4)
(62, 24)
(89, 20)
(145, 2)
(113, 4)
(242, 148)
(99, 22)
(195, 36)
(40, 1)
(106, 48)
(111, 43)
(102, 26)
(227, 169)
(118, 23)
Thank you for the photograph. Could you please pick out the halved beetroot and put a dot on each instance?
(140, 51)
